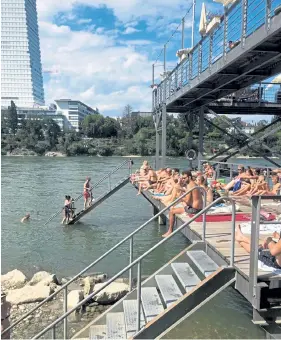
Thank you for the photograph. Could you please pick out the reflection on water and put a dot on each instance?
(38, 185)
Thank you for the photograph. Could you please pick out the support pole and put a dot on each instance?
(193, 23)
(182, 33)
(164, 65)
(164, 128)
(201, 136)
(157, 155)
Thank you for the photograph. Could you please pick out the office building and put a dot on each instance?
(74, 110)
(141, 114)
(21, 71)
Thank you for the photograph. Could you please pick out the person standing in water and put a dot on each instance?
(87, 193)
(26, 218)
(66, 209)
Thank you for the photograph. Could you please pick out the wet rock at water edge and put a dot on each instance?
(44, 278)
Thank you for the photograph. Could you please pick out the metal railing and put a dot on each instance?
(240, 20)
(106, 176)
(138, 263)
(255, 229)
(233, 167)
(131, 245)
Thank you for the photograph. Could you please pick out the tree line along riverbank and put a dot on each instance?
(128, 135)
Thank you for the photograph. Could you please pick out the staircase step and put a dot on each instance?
(151, 302)
(204, 263)
(130, 314)
(186, 275)
(168, 288)
(115, 326)
(98, 332)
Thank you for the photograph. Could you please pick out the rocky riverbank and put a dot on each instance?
(23, 295)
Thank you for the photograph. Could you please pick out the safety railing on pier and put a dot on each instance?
(107, 176)
(129, 238)
(138, 262)
(239, 21)
(255, 231)
(232, 168)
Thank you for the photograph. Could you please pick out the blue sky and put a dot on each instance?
(101, 51)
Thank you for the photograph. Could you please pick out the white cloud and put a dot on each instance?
(90, 67)
(130, 30)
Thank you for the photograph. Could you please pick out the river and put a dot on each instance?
(38, 185)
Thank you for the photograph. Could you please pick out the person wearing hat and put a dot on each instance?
(87, 193)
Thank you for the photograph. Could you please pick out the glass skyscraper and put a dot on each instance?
(21, 70)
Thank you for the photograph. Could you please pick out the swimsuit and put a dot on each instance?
(191, 210)
(268, 259)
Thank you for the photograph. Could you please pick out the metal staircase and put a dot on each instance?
(189, 280)
(96, 202)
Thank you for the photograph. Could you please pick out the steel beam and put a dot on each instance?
(241, 72)
(201, 138)
(244, 144)
(244, 133)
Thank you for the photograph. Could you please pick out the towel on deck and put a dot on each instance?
(264, 228)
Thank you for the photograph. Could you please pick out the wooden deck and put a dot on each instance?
(218, 235)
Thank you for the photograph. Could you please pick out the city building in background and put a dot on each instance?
(74, 111)
(21, 70)
(141, 114)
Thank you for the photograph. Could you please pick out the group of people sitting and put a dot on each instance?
(168, 184)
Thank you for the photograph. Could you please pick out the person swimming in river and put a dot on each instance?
(87, 193)
(26, 218)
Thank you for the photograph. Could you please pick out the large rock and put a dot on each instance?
(13, 279)
(73, 298)
(29, 294)
(112, 293)
(89, 284)
(44, 278)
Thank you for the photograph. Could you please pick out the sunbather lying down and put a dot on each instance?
(271, 258)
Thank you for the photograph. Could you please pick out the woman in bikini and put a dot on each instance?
(271, 258)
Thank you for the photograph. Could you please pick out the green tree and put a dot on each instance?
(12, 118)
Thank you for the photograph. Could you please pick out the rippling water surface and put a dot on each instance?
(38, 185)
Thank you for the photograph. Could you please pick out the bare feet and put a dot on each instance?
(238, 234)
(138, 193)
(167, 233)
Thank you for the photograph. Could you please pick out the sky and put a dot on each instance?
(101, 51)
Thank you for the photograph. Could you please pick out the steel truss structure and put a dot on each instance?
(204, 82)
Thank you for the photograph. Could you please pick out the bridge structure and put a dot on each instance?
(241, 52)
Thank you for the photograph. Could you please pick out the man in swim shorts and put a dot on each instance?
(192, 202)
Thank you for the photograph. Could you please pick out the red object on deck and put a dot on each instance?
(223, 218)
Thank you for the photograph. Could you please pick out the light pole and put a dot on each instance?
(193, 23)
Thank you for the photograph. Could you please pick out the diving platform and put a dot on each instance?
(96, 202)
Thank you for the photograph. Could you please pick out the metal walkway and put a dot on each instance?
(96, 202)
(214, 70)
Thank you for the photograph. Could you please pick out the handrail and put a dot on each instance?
(94, 186)
(228, 163)
(255, 230)
(138, 261)
(130, 236)
(192, 66)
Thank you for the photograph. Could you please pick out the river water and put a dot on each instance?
(38, 185)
